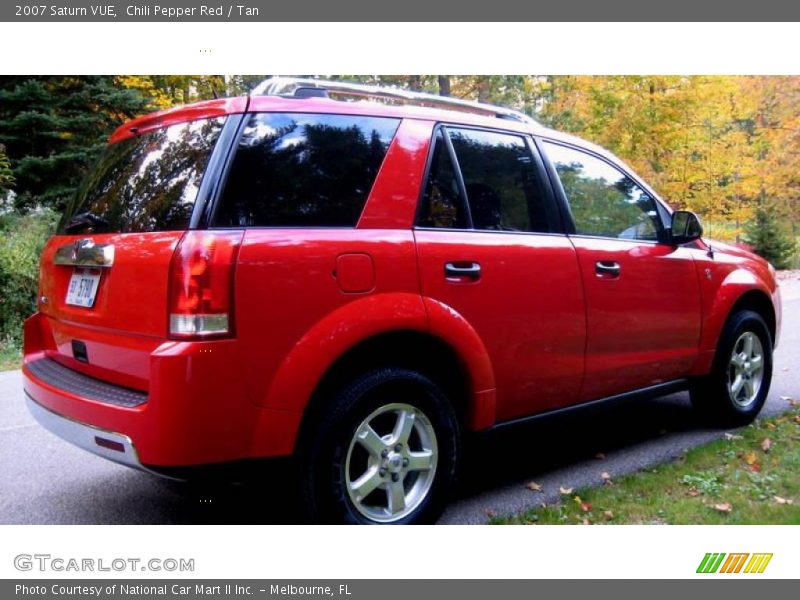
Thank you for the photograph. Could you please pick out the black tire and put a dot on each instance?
(328, 440)
(710, 395)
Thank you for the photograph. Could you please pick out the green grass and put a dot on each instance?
(10, 356)
(741, 479)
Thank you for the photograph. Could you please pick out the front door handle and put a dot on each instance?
(470, 270)
(608, 269)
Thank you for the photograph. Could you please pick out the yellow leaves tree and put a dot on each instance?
(714, 144)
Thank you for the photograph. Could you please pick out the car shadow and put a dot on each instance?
(266, 495)
(549, 444)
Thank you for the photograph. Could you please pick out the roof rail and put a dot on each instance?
(306, 88)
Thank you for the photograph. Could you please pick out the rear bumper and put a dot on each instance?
(108, 444)
(195, 412)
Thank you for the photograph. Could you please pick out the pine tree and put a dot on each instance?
(764, 233)
(53, 128)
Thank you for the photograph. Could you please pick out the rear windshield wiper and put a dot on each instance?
(85, 219)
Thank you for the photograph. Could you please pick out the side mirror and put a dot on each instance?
(686, 227)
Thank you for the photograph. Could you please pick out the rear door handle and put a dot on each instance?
(470, 270)
(607, 268)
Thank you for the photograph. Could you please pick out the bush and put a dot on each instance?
(21, 240)
(768, 239)
(6, 174)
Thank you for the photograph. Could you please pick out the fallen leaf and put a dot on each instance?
(723, 507)
(608, 515)
(750, 458)
(577, 499)
(766, 445)
(565, 491)
(693, 493)
(600, 456)
(780, 500)
(732, 436)
(586, 506)
(755, 467)
(772, 426)
(606, 477)
(534, 487)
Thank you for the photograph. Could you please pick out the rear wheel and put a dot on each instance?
(385, 451)
(737, 387)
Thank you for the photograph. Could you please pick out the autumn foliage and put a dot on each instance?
(722, 146)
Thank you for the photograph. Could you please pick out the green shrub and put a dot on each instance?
(21, 240)
(6, 174)
(768, 238)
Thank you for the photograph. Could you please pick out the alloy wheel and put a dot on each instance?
(746, 370)
(391, 462)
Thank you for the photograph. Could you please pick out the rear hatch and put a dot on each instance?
(104, 280)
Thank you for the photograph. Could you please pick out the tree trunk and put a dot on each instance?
(444, 85)
(484, 88)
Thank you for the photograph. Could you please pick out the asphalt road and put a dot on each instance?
(46, 480)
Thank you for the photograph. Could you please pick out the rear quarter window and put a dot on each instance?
(303, 170)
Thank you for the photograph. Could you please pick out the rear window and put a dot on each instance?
(502, 185)
(501, 181)
(304, 170)
(442, 204)
(145, 183)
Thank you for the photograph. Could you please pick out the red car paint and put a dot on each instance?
(539, 331)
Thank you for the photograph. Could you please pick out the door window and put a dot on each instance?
(442, 202)
(501, 191)
(604, 201)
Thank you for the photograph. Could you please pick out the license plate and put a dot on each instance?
(83, 288)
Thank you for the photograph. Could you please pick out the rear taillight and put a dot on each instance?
(201, 284)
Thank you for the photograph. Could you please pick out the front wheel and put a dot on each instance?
(737, 387)
(384, 452)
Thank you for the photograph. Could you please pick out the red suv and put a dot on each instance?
(360, 283)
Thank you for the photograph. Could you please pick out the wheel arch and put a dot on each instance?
(398, 329)
(759, 302)
(740, 291)
(411, 349)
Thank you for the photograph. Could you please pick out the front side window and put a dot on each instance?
(304, 170)
(604, 201)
